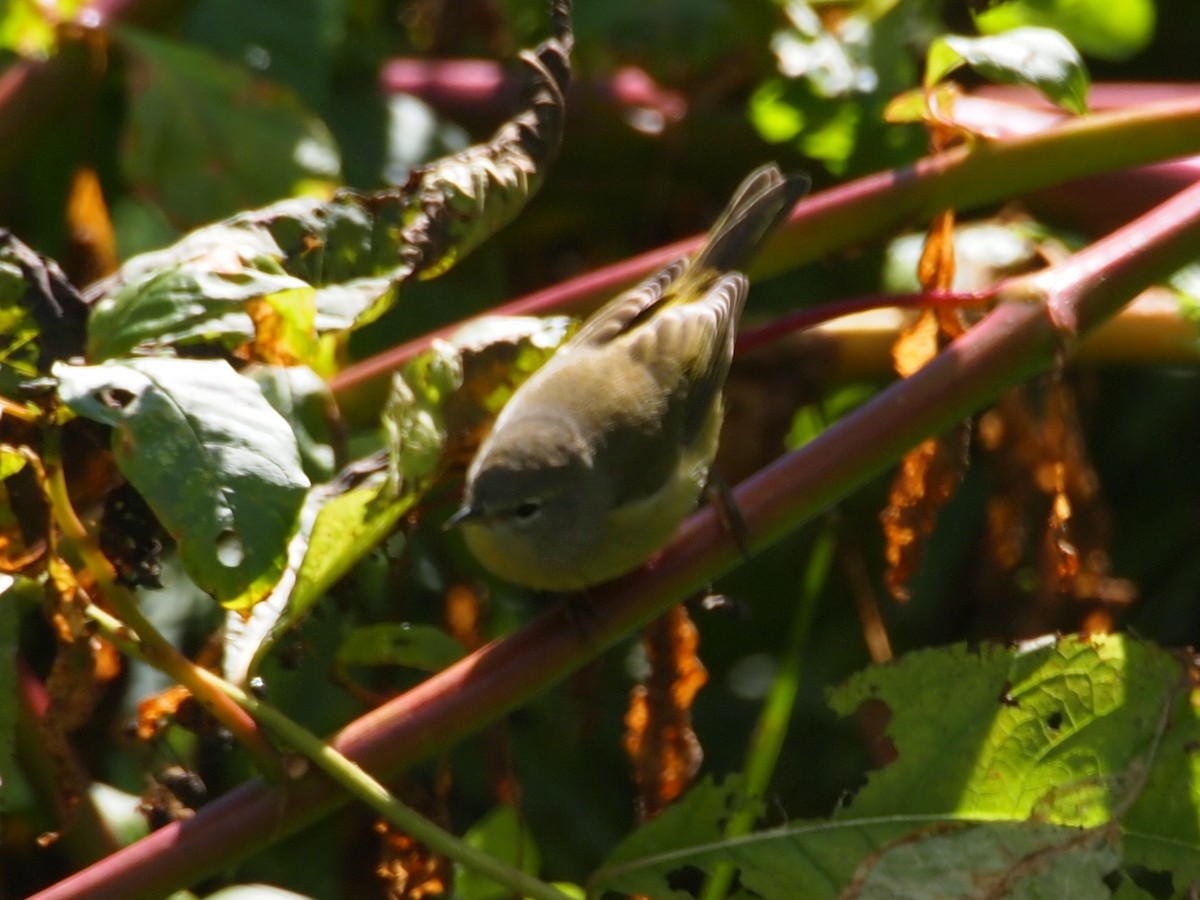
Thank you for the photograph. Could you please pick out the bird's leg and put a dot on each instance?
(732, 521)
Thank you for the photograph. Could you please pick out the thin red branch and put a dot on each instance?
(1016, 340)
(863, 209)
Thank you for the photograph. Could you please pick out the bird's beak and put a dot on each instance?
(465, 513)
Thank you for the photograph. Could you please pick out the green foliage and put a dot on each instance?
(834, 78)
(1034, 56)
(340, 523)
(1108, 29)
(27, 27)
(1037, 771)
(422, 647)
(500, 833)
(193, 113)
(219, 467)
(1040, 771)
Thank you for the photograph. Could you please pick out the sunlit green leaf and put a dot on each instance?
(1042, 771)
(1108, 29)
(304, 400)
(1037, 57)
(219, 467)
(340, 523)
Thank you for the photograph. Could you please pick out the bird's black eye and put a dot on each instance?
(527, 510)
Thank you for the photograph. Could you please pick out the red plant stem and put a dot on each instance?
(963, 178)
(751, 339)
(1019, 338)
(477, 90)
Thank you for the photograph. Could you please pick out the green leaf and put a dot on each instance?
(1037, 57)
(423, 647)
(184, 304)
(462, 200)
(449, 391)
(207, 137)
(219, 467)
(340, 523)
(1009, 859)
(303, 398)
(1109, 29)
(318, 265)
(501, 834)
(122, 814)
(1034, 771)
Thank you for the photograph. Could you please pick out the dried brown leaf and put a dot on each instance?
(658, 726)
(408, 869)
(157, 712)
(92, 252)
(927, 479)
(1046, 518)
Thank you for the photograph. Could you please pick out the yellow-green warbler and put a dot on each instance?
(601, 454)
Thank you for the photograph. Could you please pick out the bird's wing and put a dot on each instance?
(688, 346)
(620, 313)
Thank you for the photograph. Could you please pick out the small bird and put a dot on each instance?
(599, 456)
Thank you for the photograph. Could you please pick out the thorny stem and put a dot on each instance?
(861, 210)
(354, 779)
(1013, 342)
(160, 652)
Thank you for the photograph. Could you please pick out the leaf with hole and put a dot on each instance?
(217, 464)
(1044, 770)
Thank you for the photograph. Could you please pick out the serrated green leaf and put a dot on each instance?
(219, 467)
(192, 113)
(1038, 57)
(423, 647)
(1107, 29)
(1033, 771)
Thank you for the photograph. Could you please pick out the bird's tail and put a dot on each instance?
(761, 203)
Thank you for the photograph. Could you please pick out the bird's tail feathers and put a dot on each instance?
(762, 202)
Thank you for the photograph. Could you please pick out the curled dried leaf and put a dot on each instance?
(1046, 519)
(157, 712)
(658, 726)
(927, 479)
